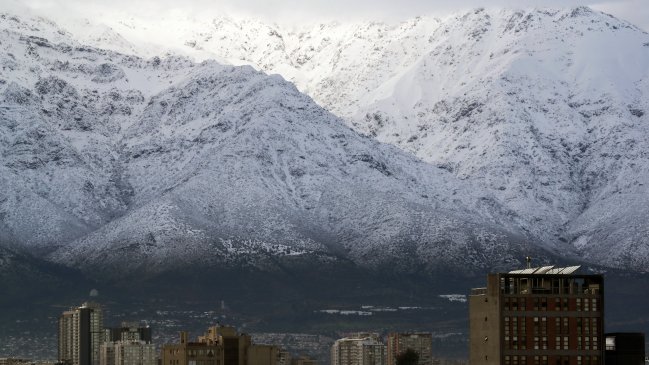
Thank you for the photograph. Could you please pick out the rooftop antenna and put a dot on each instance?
(528, 259)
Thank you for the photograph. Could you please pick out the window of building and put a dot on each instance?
(556, 286)
(580, 325)
(578, 303)
(566, 325)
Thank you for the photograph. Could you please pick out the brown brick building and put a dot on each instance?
(220, 345)
(538, 316)
(192, 353)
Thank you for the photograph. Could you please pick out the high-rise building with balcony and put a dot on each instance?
(80, 335)
(538, 316)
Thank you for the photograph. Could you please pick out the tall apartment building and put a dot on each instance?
(129, 344)
(538, 316)
(80, 335)
(419, 342)
(359, 349)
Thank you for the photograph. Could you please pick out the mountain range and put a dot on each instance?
(462, 144)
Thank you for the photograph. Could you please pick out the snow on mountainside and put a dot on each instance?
(545, 109)
(120, 165)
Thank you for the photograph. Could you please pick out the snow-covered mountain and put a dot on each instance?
(531, 137)
(120, 165)
(544, 109)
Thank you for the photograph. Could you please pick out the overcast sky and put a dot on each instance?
(635, 11)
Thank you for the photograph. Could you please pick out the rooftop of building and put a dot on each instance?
(547, 270)
(543, 280)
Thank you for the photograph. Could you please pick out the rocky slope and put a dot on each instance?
(545, 109)
(121, 166)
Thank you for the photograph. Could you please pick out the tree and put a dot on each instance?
(408, 357)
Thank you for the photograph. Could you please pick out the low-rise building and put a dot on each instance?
(358, 349)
